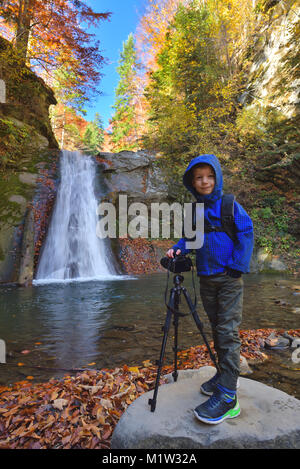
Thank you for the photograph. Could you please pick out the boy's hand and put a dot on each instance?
(170, 253)
(233, 273)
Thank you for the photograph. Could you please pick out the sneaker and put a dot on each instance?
(210, 386)
(218, 407)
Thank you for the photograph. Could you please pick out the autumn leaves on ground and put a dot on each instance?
(81, 411)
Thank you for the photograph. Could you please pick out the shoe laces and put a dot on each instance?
(217, 397)
(214, 400)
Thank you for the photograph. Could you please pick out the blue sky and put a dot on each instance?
(112, 33)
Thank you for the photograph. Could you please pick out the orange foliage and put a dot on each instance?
(63, 121)
(151, 31)
(49, 34)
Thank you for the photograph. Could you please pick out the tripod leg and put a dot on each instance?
(176, 323)
(152, 402)
(199, 324)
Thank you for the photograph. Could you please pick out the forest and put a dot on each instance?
(195, 77)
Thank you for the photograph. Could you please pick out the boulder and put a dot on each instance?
(263, 261)
(269, 418)
(125, 161)
(28, 178)
(135, 174)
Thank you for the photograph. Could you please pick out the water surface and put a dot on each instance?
(110, 323)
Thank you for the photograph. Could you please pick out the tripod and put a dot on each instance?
(172, 310)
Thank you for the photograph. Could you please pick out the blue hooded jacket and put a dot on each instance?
(219, 252)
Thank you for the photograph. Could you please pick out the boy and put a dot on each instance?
(220, 265)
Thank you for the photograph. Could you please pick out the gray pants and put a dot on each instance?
(222, 298)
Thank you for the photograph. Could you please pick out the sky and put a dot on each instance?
(111, 34)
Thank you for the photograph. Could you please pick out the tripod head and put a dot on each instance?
(178, 279)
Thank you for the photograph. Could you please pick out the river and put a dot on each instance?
(109, 323)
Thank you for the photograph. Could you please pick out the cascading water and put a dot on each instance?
(72, 248)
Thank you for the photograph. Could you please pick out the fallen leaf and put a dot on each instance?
(54, 396)
(59, 403)
(147, 363)
(107, 404)
(107, 434)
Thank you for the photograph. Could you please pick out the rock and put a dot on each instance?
(295, 343)
(134, 174)
(18, 199)
(262, 261)
(276, 264)
(20, 228)
(244, 367)
(27, 252)
(289, 337)
(124, 161)
(28, 178)
(281, 302)
(156, 186)
(269, 418)
(296, 310)
(276, 342)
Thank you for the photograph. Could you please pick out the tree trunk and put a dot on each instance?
(63, 130)
(225, 42)
(23, 30)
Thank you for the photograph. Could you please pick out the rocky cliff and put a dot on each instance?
(29, 154)
(271, 101)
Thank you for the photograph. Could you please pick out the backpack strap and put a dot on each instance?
(227, 218)
(227, 215)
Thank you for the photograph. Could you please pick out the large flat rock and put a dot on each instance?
(269, 418)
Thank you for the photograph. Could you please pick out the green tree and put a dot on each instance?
(93, 137)
(124, 123)
(191, 94)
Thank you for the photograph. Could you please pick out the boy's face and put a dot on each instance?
(204, 180)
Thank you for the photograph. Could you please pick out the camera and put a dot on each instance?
(178, 264)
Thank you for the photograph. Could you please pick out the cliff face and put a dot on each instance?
(271, 102)
(28, 152)
(27, 96)
(274, 76)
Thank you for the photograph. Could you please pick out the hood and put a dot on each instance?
(213, 161)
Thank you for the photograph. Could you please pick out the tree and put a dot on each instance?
(190, 93)
(152, 29)
(93, 137)
(49, 34)
(124, 123)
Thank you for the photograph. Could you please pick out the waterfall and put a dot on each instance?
(72, 248)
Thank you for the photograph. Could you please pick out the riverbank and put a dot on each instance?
(142, 256)
(82, 411)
